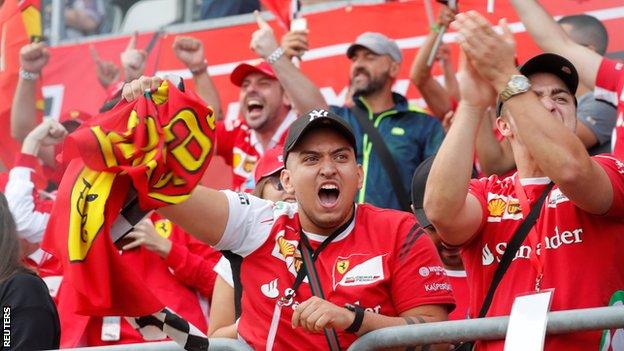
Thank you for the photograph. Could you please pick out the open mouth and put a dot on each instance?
(254, 107)
(328, 195)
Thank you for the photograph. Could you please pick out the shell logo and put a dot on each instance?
(496, 207)
(286, 249)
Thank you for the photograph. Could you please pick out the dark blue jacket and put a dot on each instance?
(411, 136)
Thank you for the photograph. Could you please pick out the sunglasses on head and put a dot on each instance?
(275, 181)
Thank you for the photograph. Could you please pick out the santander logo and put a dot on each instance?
(556, 240)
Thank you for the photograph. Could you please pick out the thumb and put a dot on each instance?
(260, 21)
(132, 41)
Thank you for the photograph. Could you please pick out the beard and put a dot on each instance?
(374, 84)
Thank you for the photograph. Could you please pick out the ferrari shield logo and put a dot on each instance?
(163, 228)
(342, 266)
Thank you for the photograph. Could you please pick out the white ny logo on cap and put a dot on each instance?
(317, 113)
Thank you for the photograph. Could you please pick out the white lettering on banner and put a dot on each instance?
(553, 242)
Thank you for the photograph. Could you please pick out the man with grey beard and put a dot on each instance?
(409, 134)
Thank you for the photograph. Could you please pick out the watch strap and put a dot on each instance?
(359, 318)
(275, 55)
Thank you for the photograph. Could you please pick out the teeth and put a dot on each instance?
(254, 103)
(329, 186)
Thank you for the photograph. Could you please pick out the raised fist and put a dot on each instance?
(191, 52)
(33, 57)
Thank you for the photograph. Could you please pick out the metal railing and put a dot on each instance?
(493, 328)
(215, 344)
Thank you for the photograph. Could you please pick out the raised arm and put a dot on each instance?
(303, 94)
(556, 150)
(436, 96)
(550, 37)
(191, 52)
(494, 156)
(33, 57)
(454, 212)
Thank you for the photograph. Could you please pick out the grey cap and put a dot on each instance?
(377, 43)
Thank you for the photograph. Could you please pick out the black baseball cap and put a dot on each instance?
(314, 119)
(553, 64)
(419, 182)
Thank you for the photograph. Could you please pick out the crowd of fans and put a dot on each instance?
(341, 220)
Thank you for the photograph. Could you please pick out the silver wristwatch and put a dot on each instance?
(275, 55)
(517, 84)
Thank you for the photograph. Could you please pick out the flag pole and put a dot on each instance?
(452, 4)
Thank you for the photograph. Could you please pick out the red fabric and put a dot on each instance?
(461, 293)
(570, 242)
(233, 144)
(163, 145)
(174, 280)
(15, 35)
(609, 87)
(388, 274)
(281, 9)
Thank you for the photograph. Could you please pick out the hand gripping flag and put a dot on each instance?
(20, 23)
(157, 147)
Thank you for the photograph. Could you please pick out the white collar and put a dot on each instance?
(281, 129)
(534, 181)
(320, 238)
(455, 274)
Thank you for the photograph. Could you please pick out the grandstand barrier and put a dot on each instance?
(215, 344)
(492, 328)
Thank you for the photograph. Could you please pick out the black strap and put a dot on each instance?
(301, 274)
(235, 264)
(384, 155)
(512, 247)
(308, 258)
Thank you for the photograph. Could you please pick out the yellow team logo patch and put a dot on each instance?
(496, 207)
(342, 266)
(88, 203)
(163, 228)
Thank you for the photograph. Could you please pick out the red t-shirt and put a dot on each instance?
(579, 251)
(377, 262)
(461, 293)
(238, 145)
(609, 86)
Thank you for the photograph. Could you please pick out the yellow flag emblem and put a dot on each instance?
(342, 266)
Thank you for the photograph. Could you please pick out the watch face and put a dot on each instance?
(520, 83)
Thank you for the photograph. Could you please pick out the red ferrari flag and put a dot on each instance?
(20, 23)
(157, 147)
(283, 10)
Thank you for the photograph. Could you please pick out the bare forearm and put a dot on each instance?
(560, 155)
(494, 157)
(373, 321)
(419, 71)
(550, 37)
(23, 110)
(447, 184)
(303, 94)
(206, 90)
(436, 97)
(229, 332)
